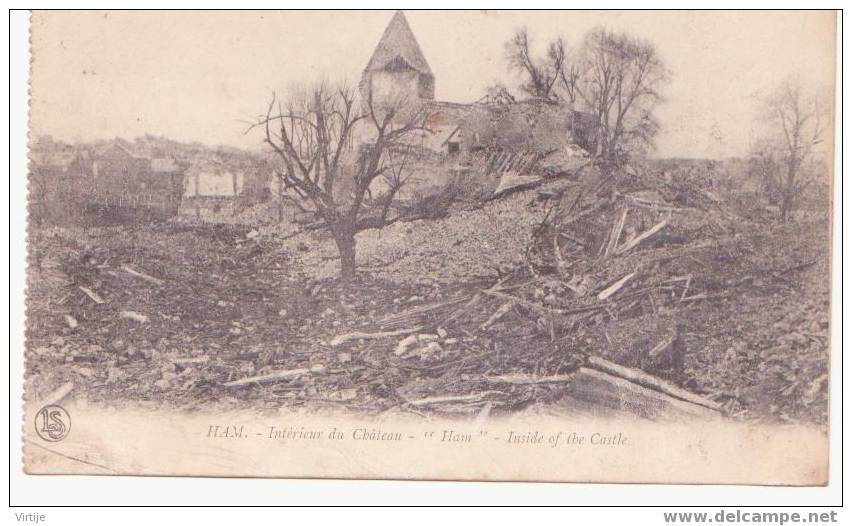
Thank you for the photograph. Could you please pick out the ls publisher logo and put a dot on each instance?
(52, 423)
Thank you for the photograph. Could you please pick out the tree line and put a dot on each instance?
(615, 78)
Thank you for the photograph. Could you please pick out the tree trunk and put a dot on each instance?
(345, 241)
(789, 190)
(599, 146)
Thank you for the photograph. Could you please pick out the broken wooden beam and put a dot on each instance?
(58, 394)
(704, 296)
(269, 378)
(141, 275)
(529, 379)
(661, 347)
(615, 287)
(686, 287)
(436, 400)
(499, 313)
(615, 234)
(92, 295)
(651, 382)
(603, 394)
(350, 336)
(641, 237)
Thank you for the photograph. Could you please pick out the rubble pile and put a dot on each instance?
(620, 291)
(647, 274)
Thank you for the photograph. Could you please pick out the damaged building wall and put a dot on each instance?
(71, 183)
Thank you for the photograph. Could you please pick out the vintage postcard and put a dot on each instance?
(460, 245)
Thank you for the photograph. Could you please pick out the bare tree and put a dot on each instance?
(395, 176)
(616, 78)
(763, 164)
(541, 75)
(312, 133)
(497, 94)
(39, 187)
(785, 158)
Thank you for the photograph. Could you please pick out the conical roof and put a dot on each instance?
(398, 42)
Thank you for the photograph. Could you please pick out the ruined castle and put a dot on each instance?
(398, 71)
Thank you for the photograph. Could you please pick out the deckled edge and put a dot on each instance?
(27, 383)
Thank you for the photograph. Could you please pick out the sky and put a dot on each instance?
(202, 76)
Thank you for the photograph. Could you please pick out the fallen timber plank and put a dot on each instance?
(499, 313)
(344, 338)
(647, 202)
(702, 296)
(641, 237)
(615, 287)
(795, 267)
(141, 275)
(603, 394)
(615, 235)
(92, 295)
(661, 347)
(529, 379)
(651, 382)
(435, 400)
(269, 378)
(58, 395)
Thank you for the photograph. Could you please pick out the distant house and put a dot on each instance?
(57, 176)
(213, 179)
(123, 178)
(213, 188)
(69, 181)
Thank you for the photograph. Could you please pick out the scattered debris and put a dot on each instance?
(580, 292)
(615, 287)
(642, 237)
(91, 294)
(405, 344)
(499, 313)
(269, 378)
(511, 181)
(344, 338)
(527, 379)
(135, 316)
(58, 395)
(141, 275)
(436, 400)
(646, 380)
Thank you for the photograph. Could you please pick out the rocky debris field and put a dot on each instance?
(467, 245)
(485, 311)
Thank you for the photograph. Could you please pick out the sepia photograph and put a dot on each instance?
(587, 246)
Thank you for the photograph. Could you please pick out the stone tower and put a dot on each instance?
(397, 71)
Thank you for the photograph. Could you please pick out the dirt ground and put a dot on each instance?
(166, 314)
